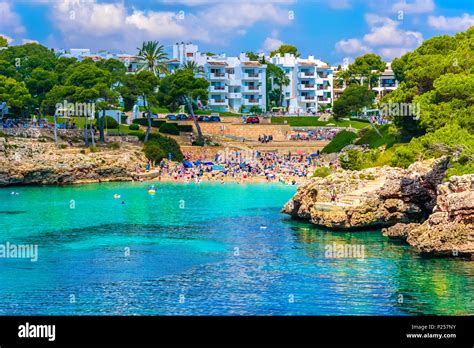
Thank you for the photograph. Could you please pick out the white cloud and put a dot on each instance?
(271, 44)
(384, 38)
(391, 52)
(213, 2)
(27, 41)
(339, 4)
(460, 23)
(416, 6)
(10, 22)
(351, 46)
(385, 32)
(82, 23)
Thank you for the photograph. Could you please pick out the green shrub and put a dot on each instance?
(157, 123)
(403, 157)
(93, 149)
(168, 145)
(141, 121)
(134, 127)
(341, 140)
(185, 128)
(322, 172)
(110, 122)
(169, 128)
(140, 134)
(154, 152)
(144, 122)
(63, 146)
(457, 168)
(351, 160)
(370, 137)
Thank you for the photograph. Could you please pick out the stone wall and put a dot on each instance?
(248, 131)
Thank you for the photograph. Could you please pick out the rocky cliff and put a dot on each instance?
(374, 197)
(411, 204)
(30, 161)
(449, 230)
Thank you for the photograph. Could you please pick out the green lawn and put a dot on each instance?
(374, 140)
(79, 121)
(313, 121)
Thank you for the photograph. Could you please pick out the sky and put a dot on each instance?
(334, 31)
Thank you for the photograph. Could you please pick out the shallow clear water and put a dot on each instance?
(206, 249)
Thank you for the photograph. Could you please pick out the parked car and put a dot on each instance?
(172, 117)
(252, 119)
(214, 118)
(204, 119)
(182, 117)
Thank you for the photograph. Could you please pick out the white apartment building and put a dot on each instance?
(311, 83)
(236, 83)
(385, 84)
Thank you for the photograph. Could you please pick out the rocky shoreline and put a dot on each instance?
(411, 204)
(25, 161)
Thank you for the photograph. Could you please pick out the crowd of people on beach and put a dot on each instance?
(237, 166)
(318, 134)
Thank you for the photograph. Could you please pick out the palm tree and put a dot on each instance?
(152, 56)
(345, 76)
(192, 66)
(281, 79)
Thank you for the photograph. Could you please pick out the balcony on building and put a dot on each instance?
(217, 70)
(251, 89)
(306, 98)
(306, 86)
(251, 101)
(218, 89)
(324, 99)
(306, 74)
(217, 101)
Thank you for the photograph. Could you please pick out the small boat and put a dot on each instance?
(151, 191)
(116, 196)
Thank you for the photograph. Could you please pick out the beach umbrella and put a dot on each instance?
(217, 167)
(209, 163)
(187, 164)
(300, 152)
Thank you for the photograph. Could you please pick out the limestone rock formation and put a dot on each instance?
(29, 161)
(450, 229)
(374, 197)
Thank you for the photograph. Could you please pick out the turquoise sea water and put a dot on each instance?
(206, 249)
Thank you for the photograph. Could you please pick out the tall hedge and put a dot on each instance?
(169, 128)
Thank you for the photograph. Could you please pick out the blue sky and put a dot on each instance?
(332, 30)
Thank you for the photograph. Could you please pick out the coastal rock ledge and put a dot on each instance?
(449, 230)
(411, 204)
(374, 197)
(30, 162)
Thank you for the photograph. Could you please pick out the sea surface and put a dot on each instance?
(206, 249)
